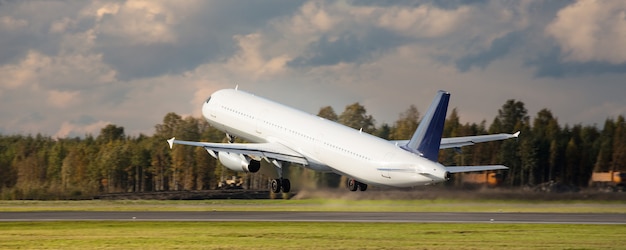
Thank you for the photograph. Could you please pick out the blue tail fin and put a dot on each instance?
(427, 138)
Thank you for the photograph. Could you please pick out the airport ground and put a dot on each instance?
(453, 221)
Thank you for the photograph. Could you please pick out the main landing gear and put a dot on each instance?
(280, 184)
(353, 185)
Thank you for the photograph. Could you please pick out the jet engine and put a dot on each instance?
(238, 162)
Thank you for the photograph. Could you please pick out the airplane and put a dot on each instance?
(281, 135)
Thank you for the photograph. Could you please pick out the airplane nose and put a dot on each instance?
(205, 108)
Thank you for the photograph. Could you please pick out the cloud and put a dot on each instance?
(62, 99)
(69, 129)
(250, 59)
(176, 37)
(24, 73)
(11, 23)
(347, 48)
(80, 65)
(423, 20)
(498, 49)
(137, 22)
(551, 64)
(591, 31)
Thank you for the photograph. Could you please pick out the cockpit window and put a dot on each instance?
(208, 99)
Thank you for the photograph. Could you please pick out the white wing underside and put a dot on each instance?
(268, 150)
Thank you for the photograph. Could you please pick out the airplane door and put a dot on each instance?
(385, 173)
(319, 144)
(260, 121)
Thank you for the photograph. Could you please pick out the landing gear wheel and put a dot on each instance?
(362, 186)
(352, 184)
(286, 184)
(275, 186)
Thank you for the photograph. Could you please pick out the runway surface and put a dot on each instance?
(536, 218)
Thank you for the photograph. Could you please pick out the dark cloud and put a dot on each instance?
(551, 64)
(446, 4)
(84, 120)
(348, 48)
(203, 37)
(499, 48)
(138, 61)
(34, 33)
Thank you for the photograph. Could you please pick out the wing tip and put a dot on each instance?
(516, 134)
(171, 142)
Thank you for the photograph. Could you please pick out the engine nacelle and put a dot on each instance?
(238, 162)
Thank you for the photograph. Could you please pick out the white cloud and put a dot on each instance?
(63, 99)
(83, 72)
(424, 20)
(312, 18)
(136, 21)
(11, 23)
(73, 71)
(69, 129)
(590, 30)
(250, 59)
(24, 73)
(62, 25)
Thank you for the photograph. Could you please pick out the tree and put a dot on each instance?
(328, 113)
(545, 130)
(406, 124)
(183, 167)
(356, 117)
(572, 156)
(140, 159)
(588, 152)
(512, 117)
(74, 175)
(384, 131)
(57, 154)
(619, 145)
(111, 133)
(605, 155)
(451, 128)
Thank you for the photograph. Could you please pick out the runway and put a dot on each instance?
(390, 217)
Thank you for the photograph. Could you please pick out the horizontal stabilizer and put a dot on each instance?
(457, 142)
(461, 169)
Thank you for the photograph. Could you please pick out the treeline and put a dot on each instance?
(40, 167)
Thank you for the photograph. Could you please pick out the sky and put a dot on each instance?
(69, 68)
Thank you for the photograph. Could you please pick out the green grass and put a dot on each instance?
(299, 235)
(296, 235)
(436, 205)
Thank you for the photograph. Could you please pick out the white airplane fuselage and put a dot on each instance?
(327, 146)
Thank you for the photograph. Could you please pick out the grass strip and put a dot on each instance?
(301, 235)
(437, 205)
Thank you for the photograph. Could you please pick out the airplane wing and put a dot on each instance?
(460, 169)
(457, 142)
(268, 150)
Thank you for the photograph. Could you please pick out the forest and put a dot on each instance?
(42, 167)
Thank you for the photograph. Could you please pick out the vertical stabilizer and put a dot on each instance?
(427, 138)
